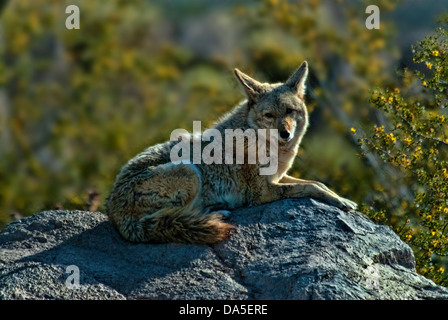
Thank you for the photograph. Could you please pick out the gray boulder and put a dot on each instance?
(291, 249)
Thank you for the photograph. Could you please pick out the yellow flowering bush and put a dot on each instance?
(414, 138)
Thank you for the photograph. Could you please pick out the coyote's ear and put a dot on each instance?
(252, 87)
(297, 81)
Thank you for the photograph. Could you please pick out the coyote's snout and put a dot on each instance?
(155, 200)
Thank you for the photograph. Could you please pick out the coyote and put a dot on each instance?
(154, 200)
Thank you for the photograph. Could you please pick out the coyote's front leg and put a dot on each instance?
(289, 179)
(289, 187)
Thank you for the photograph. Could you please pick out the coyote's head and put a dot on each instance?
(278, 106)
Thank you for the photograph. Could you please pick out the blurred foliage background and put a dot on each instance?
(76, 105)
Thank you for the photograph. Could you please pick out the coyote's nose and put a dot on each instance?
(284, 134)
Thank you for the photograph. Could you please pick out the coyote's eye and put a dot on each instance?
(289, 111)
(269, 115)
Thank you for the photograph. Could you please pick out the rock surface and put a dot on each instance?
(291, 249)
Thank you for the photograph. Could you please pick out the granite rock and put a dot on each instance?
(290, 249)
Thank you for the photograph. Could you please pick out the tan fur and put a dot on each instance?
(154, 200)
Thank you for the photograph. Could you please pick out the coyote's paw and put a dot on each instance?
(347, 205)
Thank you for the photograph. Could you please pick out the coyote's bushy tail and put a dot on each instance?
(178, 225)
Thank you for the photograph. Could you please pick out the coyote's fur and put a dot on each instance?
(154, 200)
